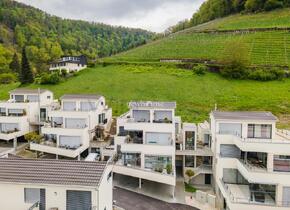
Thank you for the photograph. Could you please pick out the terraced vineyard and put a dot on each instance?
(270, 47)
(277, 18)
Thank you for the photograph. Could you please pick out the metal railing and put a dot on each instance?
(251, 199)
(35, 205)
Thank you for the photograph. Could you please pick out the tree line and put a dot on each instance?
(212, 9)
(46, 37)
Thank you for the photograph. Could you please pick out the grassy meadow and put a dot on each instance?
(195, 95)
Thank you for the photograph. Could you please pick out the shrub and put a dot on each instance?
(236, 59)
(52, 78)
(63, 72)
(200, 69)
(267, 75)
(32, 137)
(7, 78)
(273, 4)
(253, 5)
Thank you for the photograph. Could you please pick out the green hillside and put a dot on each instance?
(264, 47)
(195, 95)
(277, 18)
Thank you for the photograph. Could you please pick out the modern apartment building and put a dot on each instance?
(25, 110)
(251, 161)
(72, 125)
(193, 153)
(55, 184)
(145, 142)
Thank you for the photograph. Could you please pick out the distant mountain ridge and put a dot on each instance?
(48, 37)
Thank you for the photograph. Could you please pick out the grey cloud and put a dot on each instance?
(124, 12)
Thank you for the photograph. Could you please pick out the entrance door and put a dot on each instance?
(207, 179)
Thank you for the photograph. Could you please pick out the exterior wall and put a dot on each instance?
(70, 67)
(144, 149)
(55, 196)
(105, 192)
(31, 116)
(274, 146)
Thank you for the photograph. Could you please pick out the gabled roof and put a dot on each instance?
(56, 172)
(244, 115)
(80, 96)
(152, 104)
(27, 91)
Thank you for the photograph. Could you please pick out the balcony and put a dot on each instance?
(254, 194)
(277, 145)
(52, 148)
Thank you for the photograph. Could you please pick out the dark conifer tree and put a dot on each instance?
(26, 75)
(15, 64)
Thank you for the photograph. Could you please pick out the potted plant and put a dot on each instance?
(169, 168)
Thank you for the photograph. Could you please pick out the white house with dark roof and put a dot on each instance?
(251, 161)
(55, 184)
(23, 112)
(73, 125)
(69, 63)
(145, 142)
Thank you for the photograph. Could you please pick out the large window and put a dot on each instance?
(9, 127)
(189, 140)
(33, 195)
(131, 159)
(282, 163)
(88, 106)
(158, 138)
(141, 115)
(259, 131)
(230, 128)
(75, 123)
(163, 117)
(189, 161)
(69, 106)
(161, 164)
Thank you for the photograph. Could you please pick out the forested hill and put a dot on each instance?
(214, 9)
(48, 37)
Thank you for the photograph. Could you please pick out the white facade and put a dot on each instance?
(145, 142)
(18, 194)
(69, 67)
(21, 113)
(252, 162)
(193, 153)
(71, 128)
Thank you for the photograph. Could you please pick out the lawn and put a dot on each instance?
(195, 95)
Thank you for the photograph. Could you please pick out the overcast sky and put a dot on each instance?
(153, 15)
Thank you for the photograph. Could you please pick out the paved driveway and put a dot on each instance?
(134, 201)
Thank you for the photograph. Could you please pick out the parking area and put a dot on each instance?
(134, 201)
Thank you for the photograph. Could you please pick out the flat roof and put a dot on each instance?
(152, 104)
(244, 115)
(27, 91)
(80, 96)
(58, 172)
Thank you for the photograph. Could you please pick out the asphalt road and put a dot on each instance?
(134, 201)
